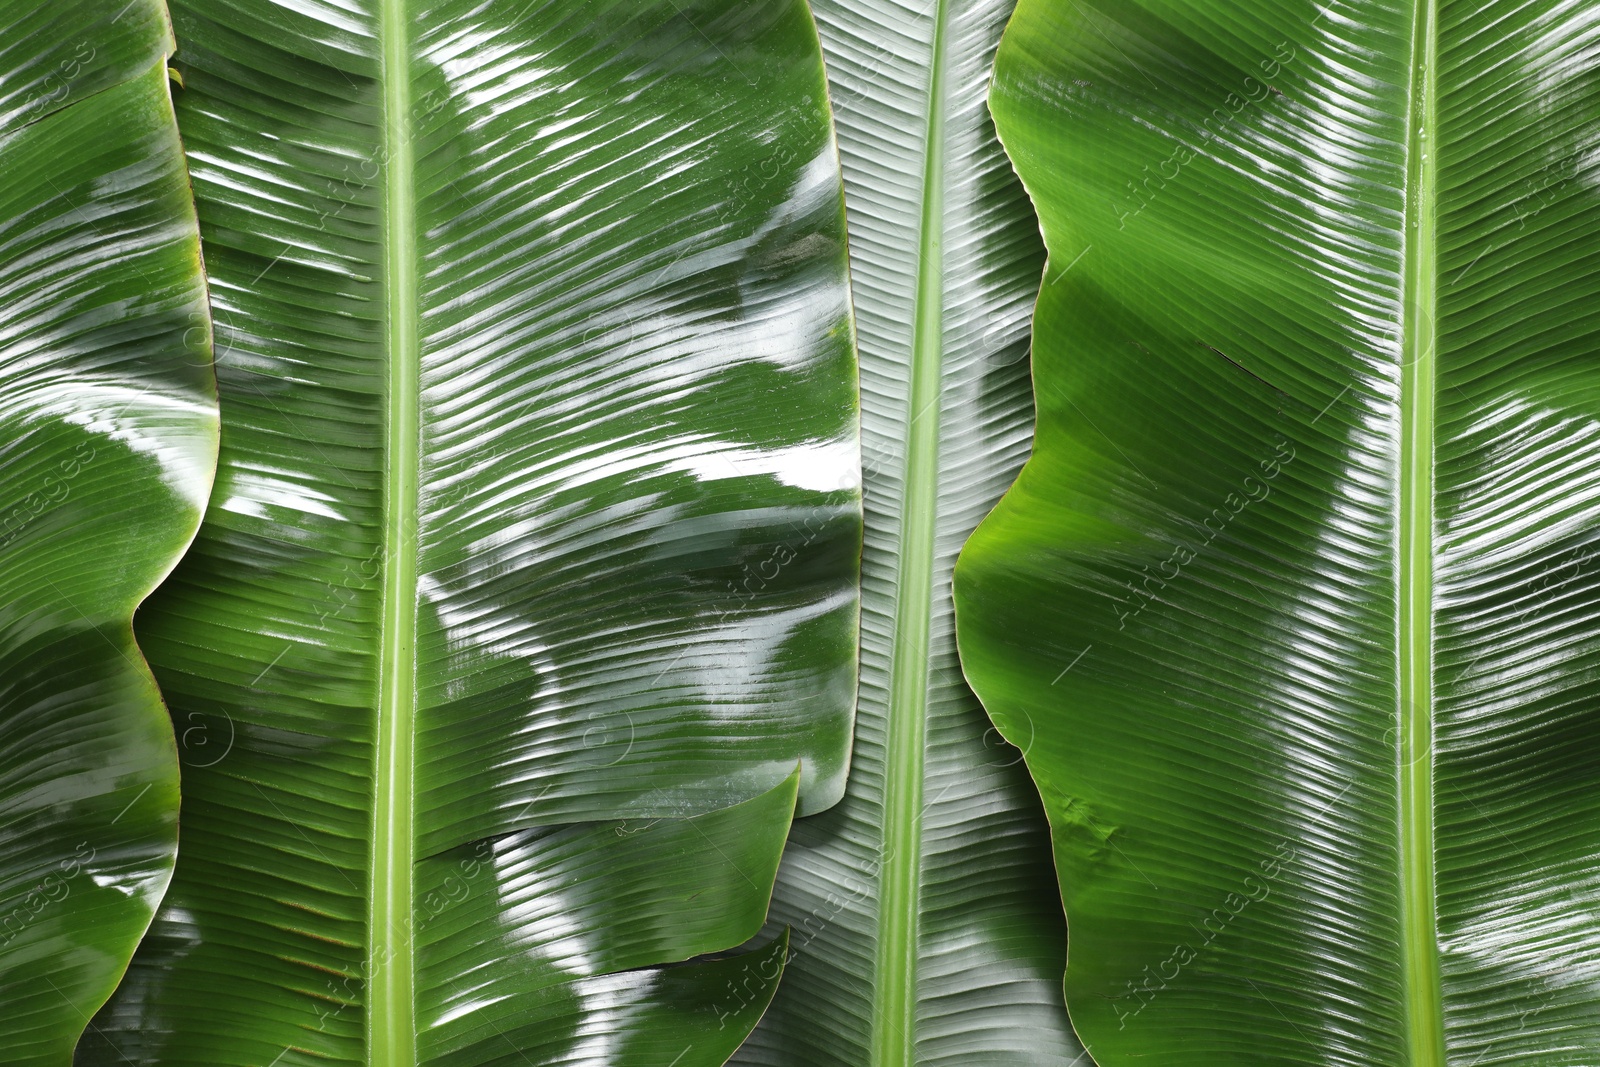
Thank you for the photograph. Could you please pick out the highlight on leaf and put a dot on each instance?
(1271, 605)
(108, 438)
(524, 616)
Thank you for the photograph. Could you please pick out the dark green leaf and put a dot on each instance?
(538, 511)
(61, 52)
(1295, 601)
(108, 437)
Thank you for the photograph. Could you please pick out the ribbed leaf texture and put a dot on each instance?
(528, 603)
(108, 438)
(1296, 598)
(925, 928)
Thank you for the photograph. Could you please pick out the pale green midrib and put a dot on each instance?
(391, 1029)
(1424, 1019)
(899, 905)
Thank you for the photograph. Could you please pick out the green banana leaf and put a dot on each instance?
(1292, 609)
(108, 438)
(924, 922)
(526, 609)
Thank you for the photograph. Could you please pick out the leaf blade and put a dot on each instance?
(1212, 547)
(635, 516)
(972, 941)
(107, 446)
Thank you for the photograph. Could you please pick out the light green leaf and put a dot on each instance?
(924, 924)
(537, 522)
(108, 437)
(1295, 600)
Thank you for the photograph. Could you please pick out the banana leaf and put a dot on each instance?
(924, 922)
(108, 437)
(1293, 608)
(526, 611)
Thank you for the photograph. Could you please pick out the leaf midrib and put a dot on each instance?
(1418, 387)
(899, 905)
(391, 1029)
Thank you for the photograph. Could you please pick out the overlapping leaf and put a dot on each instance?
(538, 511)
(108, 436)
(1294, 607)
(925, 925)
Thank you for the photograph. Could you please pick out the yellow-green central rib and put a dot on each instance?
(391, 1029)
(899, 904)
(1419, 922)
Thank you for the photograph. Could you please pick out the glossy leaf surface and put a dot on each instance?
(925, 927)
(108, 437)
(537, 377)
(1296, 599)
